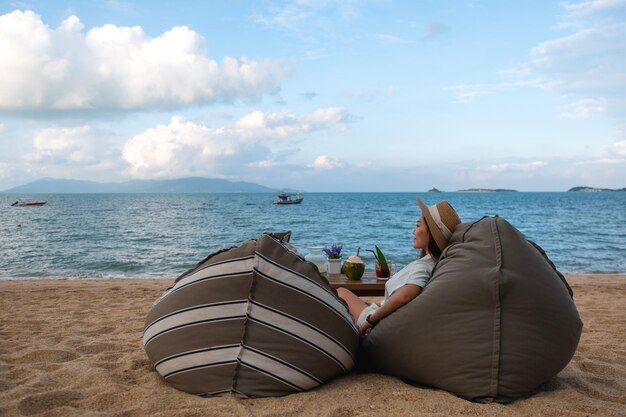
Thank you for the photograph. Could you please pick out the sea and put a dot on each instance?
(82, 236)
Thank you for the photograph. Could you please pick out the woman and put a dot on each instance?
(431, 235)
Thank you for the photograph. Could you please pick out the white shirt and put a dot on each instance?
(416, 273)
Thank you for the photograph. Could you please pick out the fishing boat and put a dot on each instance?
(28, 203)
(286, 198)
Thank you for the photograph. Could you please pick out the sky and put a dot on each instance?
(326, 95)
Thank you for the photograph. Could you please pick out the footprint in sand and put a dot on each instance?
(35, 404)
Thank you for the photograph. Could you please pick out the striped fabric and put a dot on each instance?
(251, 321)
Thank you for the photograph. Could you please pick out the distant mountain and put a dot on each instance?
(586, 189)
(180, 185)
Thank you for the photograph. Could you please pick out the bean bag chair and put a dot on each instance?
(251, 321)
(495, 321)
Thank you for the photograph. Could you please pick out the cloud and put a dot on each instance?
(467, 93)
(267, 163)
(5, 170)
(585, 8)
(78, 152)
(602, 161)
(324, 162)
(119, 68)
(387, 39)
(80, 145)
(312, 21)
(613, 153)
(509, 167)
(294, 15)
(588, 63)
(184, 147)
(281, 125)
(585, 108)
(619, 147)
(585, 65)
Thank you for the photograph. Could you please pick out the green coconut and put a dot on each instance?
(353, 267)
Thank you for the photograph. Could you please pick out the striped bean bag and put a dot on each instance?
(251, 321)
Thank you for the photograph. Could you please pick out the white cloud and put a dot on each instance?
(591, 6)
(324, 162)
(80, 145)
(619, 147)
(585, 108)
(586, 65)
(387, 39)
(468, 93)
(3, 128)
(186, 148)
(508, 166)
(613, 153)
(602, 161)
(311, 20)
(78, 152)
(5, 170)
(294, 15)
(119, 68)
(267, 163)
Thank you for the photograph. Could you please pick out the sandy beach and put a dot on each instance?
(73, 348)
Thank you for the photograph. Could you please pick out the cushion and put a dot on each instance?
(495, 321)
(250, 321)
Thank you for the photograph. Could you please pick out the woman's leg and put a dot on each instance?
(355, 304)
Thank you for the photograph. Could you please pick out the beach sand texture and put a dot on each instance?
(73, 348)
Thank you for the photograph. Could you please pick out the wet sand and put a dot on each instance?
(73, 348)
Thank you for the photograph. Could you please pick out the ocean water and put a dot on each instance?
(162, 235)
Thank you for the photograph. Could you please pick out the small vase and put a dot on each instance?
(317, 257)
(334, 266)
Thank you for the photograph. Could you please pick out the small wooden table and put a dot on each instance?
(367, 286)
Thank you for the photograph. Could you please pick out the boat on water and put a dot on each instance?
(28, 203)
(286, 198)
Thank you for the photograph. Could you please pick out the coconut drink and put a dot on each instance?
(353, 267)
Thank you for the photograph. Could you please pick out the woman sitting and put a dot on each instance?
(431, 234)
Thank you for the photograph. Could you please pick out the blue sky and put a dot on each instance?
(321, 95)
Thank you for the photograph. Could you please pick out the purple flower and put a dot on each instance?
(334, 252)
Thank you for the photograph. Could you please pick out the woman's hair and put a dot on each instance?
(433, 249)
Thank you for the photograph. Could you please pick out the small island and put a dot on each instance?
(487, 190)
(434, 190)
(585, 189)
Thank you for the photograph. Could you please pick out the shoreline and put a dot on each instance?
(141, 279)
(72, 347)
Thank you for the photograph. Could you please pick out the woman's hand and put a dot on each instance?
(399, 298)
(364, 327)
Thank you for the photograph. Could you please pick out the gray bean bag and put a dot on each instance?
(251, 321)
(495, 321)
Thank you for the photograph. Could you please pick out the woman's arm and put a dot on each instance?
(399, 298)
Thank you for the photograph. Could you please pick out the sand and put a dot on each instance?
(73, 348)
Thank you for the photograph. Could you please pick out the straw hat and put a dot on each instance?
(441, 219)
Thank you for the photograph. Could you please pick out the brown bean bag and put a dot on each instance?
(495, 321)
(251, 321)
